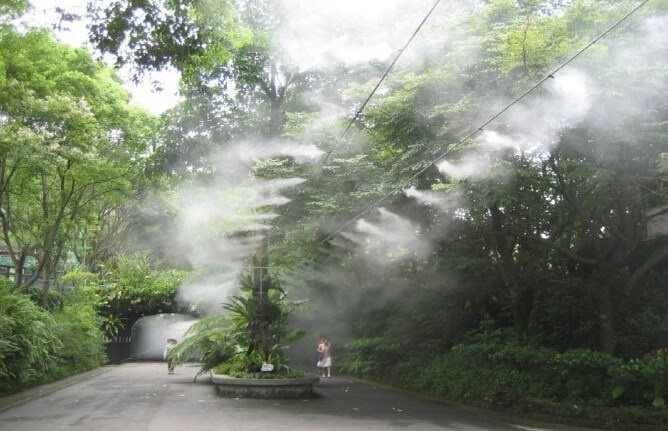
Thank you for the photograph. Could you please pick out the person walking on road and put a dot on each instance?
(171, 362)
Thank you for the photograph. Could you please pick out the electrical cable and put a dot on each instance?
(358, 112)
(486, 123)
(380, 81)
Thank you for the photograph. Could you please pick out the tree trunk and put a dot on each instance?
(46, 285)
(275, 103)
(260, 337)
(275, 117)
(520, 296)
(260, 262)
(605, 317)
(18, 269)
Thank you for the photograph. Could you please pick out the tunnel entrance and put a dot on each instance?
(149, 334)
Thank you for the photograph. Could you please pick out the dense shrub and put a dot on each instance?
(37, 346)
(250, 332)
(501, 371)
(641, 382)
(78, 328)
(582, 375)
(578, 376)
(370, 357)
(28, 345)
(139, 287)
(133, 287)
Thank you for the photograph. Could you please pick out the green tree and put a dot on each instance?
(545, 247)
(10, 8)
(238, 85)
(67, 151)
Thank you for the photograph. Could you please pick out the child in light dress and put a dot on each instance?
(325, 362)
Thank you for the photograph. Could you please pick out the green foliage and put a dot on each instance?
(237, 369)
(37, 346)
(641, 382)
(13, 7)
(583, 375)
(66, 135)
(79, 329)
(78, 278)
(259, 321)
(152, 34)
(252, 331)
(142, 284)
(29, 346)
(210, 339)
(238, 366)
(502, 372)
(369, 357)
(123, 292)
(136, 286)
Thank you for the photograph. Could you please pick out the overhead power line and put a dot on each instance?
(380, 81)
(359, 110)
(483, 125)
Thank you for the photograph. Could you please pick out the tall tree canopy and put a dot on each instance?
(558, 200)
(70, 150)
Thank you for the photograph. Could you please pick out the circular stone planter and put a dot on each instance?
(233, 387)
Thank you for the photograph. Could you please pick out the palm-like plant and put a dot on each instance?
(260, 322)
(252, 332)
(211, 339)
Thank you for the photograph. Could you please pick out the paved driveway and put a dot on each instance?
(142, 396)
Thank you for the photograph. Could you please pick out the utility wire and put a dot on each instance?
(366, 101)
(486, 123)
(387, 71)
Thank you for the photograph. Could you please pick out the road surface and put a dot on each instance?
(141, 396)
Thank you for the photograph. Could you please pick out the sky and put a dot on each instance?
(74, 33)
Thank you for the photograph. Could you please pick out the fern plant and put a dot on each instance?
(260, 323)
(253, 330)
(210, 340)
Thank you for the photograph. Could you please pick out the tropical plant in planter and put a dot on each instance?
(247, 339)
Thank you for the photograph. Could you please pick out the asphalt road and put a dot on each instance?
(142, 396)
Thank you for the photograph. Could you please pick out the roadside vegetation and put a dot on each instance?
(494, 370)
(38, 346)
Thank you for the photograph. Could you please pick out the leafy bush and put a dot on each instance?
(253, 331)
(259, 323)
(137, 287)
(210, 339)
(28, 346)
(78, 328)
(524, 371)
(641, 382)
(503, 372)
(134, 286)
(369, 357)
(235, 367)
(582, 375)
